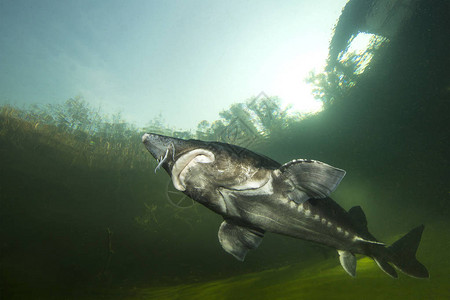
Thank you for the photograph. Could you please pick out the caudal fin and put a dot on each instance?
(402, 254)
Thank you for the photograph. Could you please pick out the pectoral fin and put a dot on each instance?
(315, 178)
(238, 240)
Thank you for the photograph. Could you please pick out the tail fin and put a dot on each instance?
(402, 254)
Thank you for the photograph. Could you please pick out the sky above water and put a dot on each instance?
(183, 60)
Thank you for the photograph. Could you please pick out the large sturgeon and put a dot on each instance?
(255, 194)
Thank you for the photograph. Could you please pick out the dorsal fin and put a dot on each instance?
(358, 218)
(315, 178)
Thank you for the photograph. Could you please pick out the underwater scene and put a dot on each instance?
(144, 155)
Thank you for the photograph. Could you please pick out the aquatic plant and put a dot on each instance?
(74, 127)
(80, 137)
(95, 138)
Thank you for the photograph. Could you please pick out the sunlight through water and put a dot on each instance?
(361, 47)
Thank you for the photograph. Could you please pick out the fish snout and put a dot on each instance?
(155, 140)
(156, 144)
(145, 138)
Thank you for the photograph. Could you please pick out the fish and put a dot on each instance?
(255, 194)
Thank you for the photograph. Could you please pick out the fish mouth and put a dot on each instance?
(186, 162)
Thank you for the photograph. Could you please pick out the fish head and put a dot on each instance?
(167, 150)
(206, 165)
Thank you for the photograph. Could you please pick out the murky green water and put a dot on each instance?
(84, 216)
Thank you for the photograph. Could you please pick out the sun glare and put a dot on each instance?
(359, 46)
(290, 86)
(360, 43)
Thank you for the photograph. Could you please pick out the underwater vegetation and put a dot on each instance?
(82, 131)
(84, 216)
(75, 129)
(75, 186)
